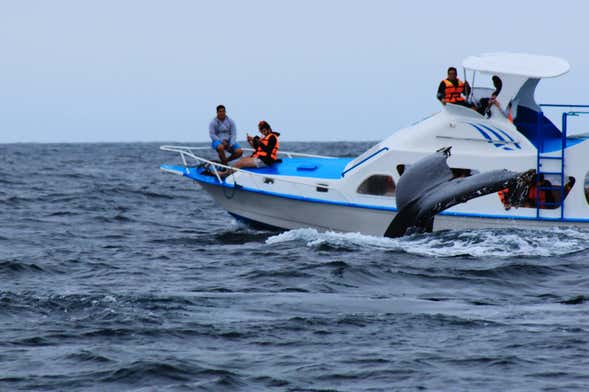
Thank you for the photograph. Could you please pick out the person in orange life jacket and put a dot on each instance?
(266, 149)
(544, 196)
(452, 89)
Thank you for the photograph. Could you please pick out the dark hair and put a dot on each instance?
(264, 125)
(219, 107)
(452, 69)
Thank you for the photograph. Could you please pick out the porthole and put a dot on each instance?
(378, 185)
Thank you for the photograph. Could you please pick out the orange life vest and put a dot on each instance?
(454, 93)
(532, 196)
(503, 196)
(259, 153)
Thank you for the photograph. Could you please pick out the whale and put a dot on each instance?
(429, 187)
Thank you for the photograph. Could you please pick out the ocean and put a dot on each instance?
(116, 276)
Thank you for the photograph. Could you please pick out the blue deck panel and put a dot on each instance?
(549, 145)
(324, 168)
(547, 138)
(328, 168)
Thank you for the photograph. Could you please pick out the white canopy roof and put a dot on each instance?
(530, 65)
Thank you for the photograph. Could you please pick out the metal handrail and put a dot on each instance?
(187, 151)
(289, 154)
(561, 105)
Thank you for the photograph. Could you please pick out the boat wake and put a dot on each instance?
(502, 243)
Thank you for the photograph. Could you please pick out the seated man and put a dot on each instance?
(266, 149)
(452, 89)
(223, 133)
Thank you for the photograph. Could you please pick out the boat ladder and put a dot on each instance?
(553, 165)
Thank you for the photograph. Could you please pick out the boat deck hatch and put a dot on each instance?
(307, 167)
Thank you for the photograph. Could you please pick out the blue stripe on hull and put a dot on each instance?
(393, 209)
(194, 175)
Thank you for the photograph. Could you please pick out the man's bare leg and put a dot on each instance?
(235, 154)
(221, 152)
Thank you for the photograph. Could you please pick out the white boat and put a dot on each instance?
(358, 194)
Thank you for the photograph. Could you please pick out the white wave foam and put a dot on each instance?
(475, 243)
(314, 238)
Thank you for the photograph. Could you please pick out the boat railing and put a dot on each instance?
(566, 114)
(188, 152)
(289, 154)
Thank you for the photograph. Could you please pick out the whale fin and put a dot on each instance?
(428, 188)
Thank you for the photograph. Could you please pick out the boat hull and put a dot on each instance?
(293, 213)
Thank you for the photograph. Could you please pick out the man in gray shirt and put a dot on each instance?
(223, 133)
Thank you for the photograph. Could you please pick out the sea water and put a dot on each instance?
(115, 276)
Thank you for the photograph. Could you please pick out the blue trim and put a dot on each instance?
(512, 217)
(498, 137)
(559, 105)
(493, 132)
(503, 132)
(393, 209)
(486, 136)
(539, 130)
(364, 160)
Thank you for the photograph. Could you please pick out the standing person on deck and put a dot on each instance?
(223, 133)
(452, 89)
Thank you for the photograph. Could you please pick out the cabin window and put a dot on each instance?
(378, 185)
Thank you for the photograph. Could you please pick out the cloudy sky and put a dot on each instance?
(144, 70)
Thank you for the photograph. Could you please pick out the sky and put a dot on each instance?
(144, 70)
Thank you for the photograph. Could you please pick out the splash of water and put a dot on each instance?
(500, 243)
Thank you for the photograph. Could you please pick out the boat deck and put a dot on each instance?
(326, 168)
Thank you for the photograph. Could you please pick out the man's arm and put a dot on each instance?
(213, 131)
(497, 89)
(466, 89)
(441, 91)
